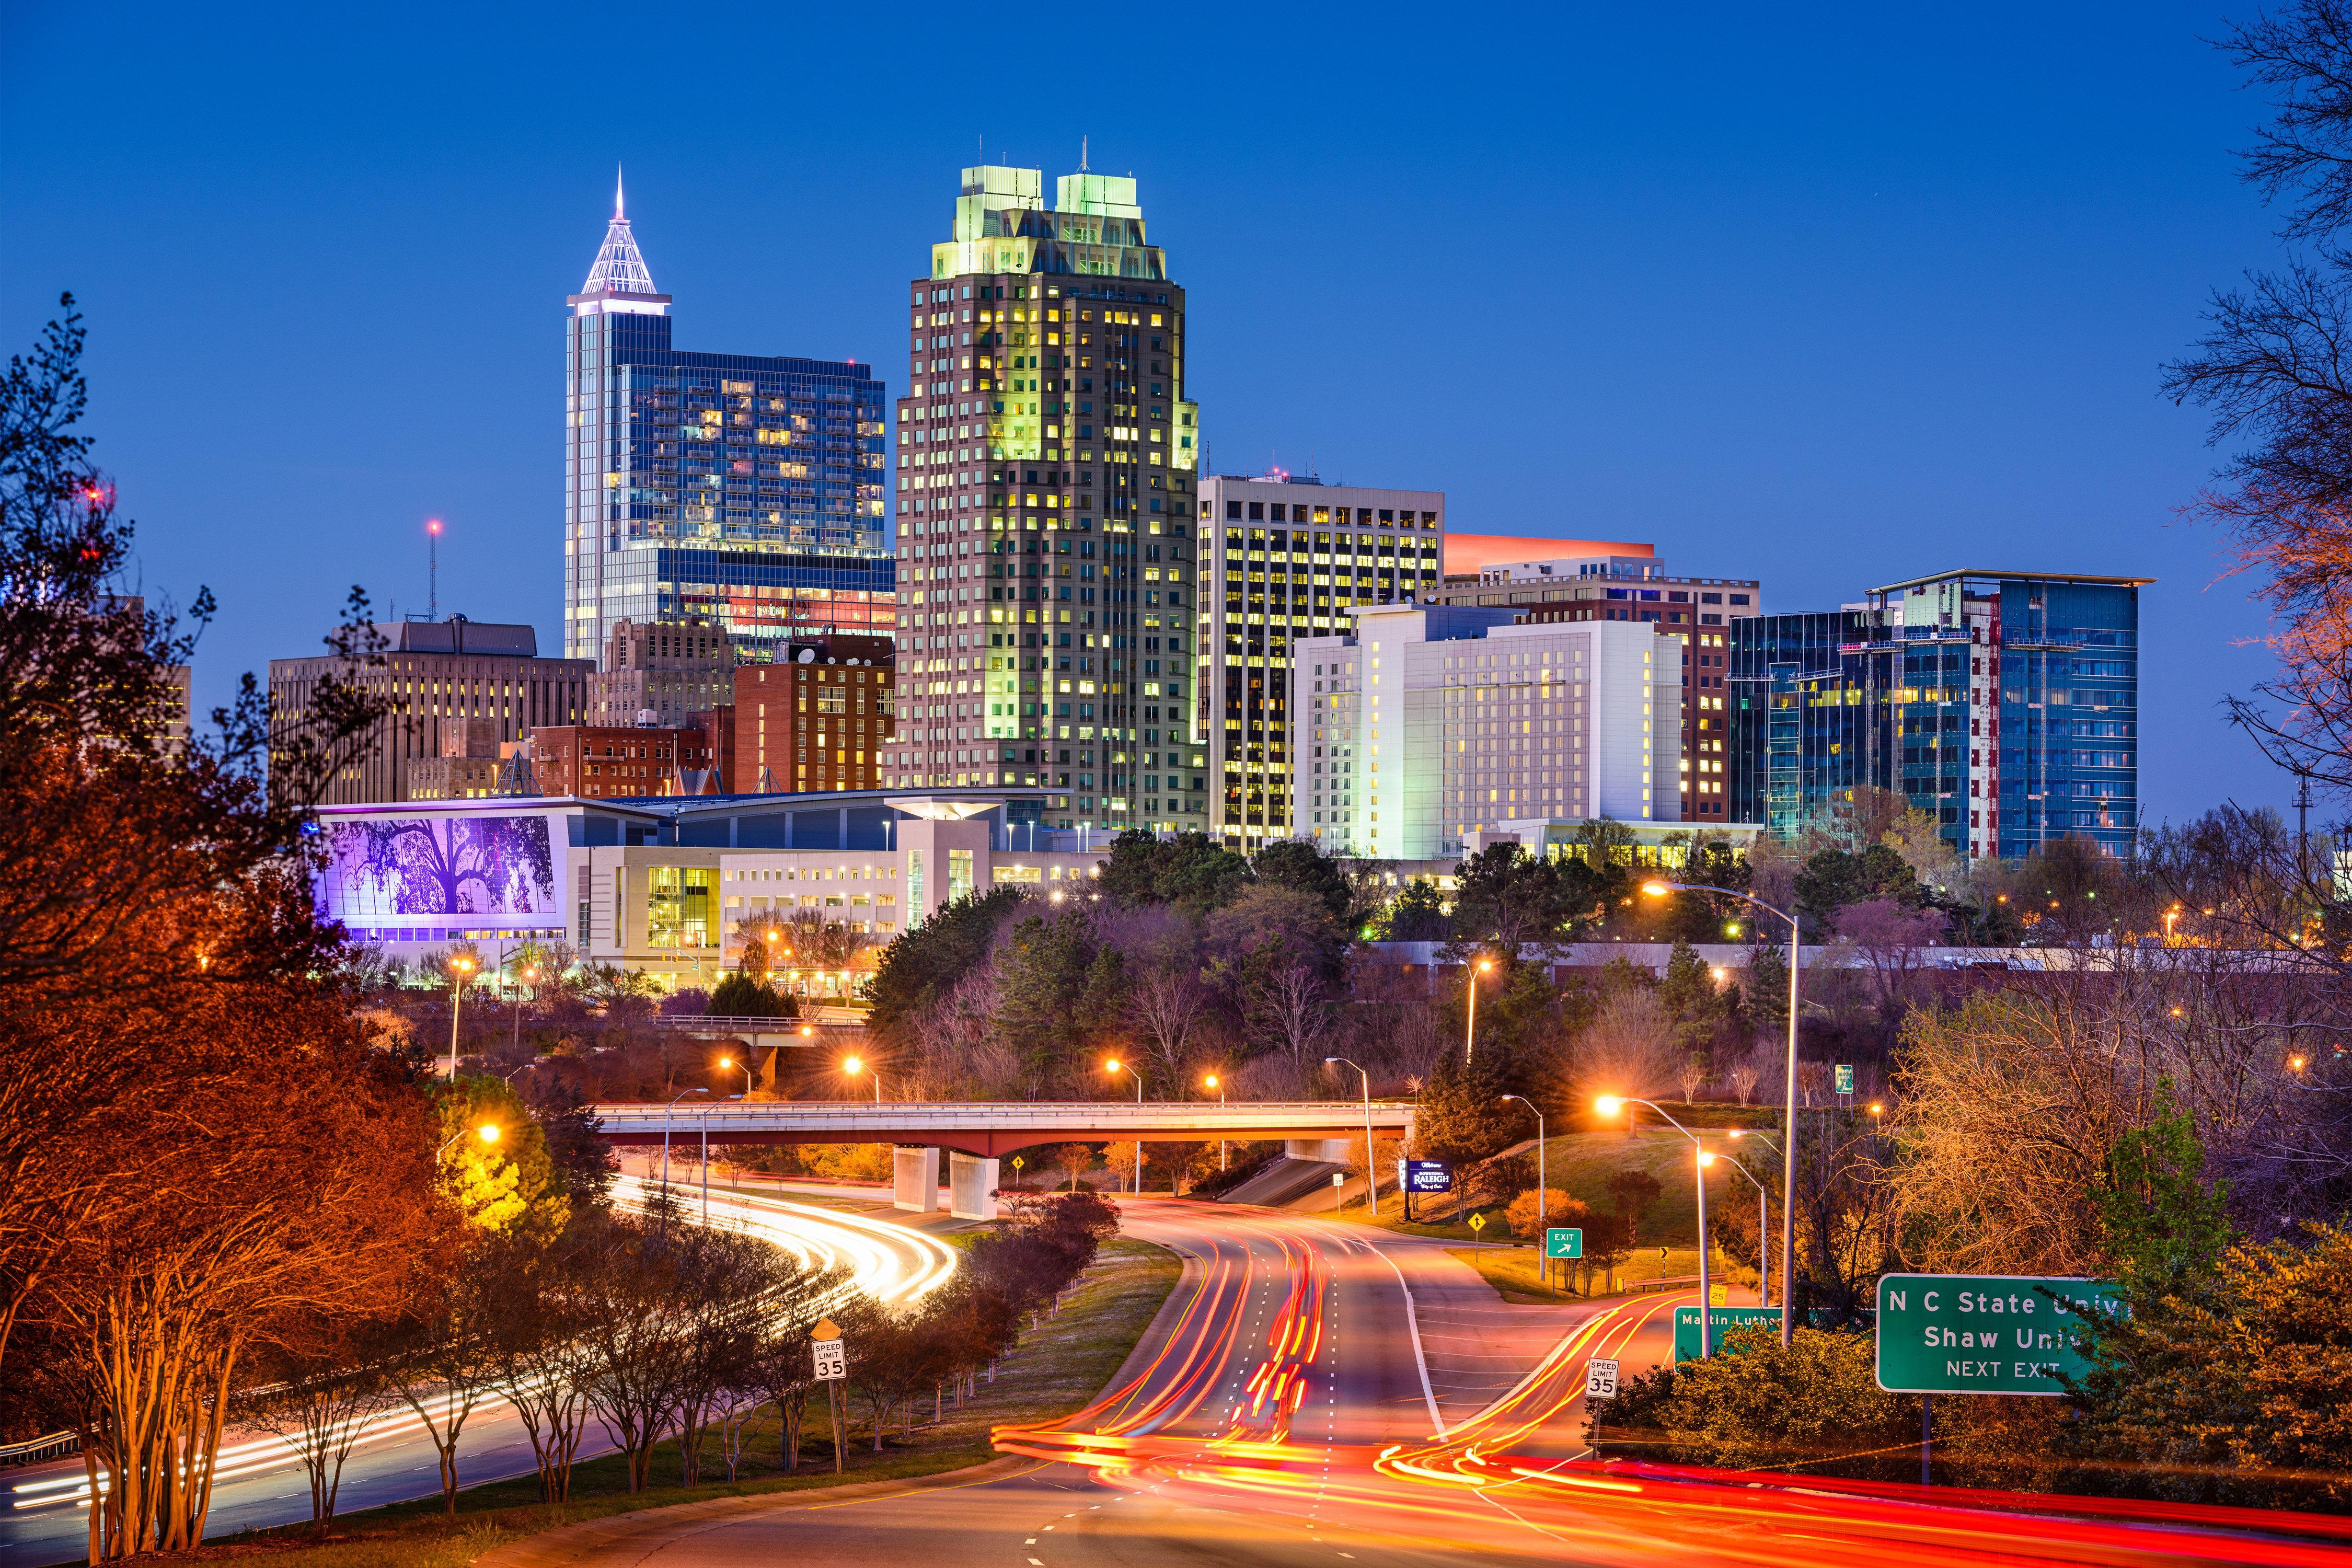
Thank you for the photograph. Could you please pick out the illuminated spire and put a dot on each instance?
(620, 268)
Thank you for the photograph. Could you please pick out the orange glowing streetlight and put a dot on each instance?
(1114, 1066)
(462, 966)
(852, 1066)
(1470, 1029)
(1213, 1081)
(743, 1067)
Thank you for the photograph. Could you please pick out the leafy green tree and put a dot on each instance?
(1634, 1190)
(743, 996)
(1832, 879)
(504, 1183)
(1507, 900)
(1417, 913)
(2161, 1217)
(927, 962)
(1043, 1005)
(1191, 871)
(1462, 1114)
(1296, 863)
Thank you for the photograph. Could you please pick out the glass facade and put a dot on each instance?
(2006, 705)
(743, 489)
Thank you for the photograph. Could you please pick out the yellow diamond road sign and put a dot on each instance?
(1477, 1222)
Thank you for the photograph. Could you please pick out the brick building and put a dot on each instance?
(816, 719)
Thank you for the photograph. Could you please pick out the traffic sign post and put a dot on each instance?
(832, 1366)
(1600, 1378)
(1477, 1222)
(1987, 1333)
(1846, 1077)
(1719, 1321)
(1563, 1242)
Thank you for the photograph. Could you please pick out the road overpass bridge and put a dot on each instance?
(977, 1133)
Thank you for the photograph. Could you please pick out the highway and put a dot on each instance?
(261, 1483)
(1283, 1408)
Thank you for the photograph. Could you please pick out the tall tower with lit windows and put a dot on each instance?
(1048, 583)
(733, 491)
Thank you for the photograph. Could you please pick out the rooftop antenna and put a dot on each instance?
(433, 569)
(620, 209)
(1082, 154)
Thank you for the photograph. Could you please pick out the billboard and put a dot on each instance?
(1425, 1175)
(452, 864)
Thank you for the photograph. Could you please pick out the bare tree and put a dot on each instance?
(1168, 1004)
(1293, 1000)
(1628, 1048)
(1741, 1076)
(1693, 1076)
(1892, 940)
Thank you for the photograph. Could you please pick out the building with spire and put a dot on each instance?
(737, 491)
(1047, 485)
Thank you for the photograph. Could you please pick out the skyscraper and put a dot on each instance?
(735, 489)
(1046, 460)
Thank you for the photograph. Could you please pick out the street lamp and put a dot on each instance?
(464, 966)
(1371, 1170)
(1470, 1030)
(487, 1132)
(1658, 890)
(852, 1066)
(1610, 1105)
(743, 1067)
(665, 1176)
(1213, 1081)
(1763, 1231)
(1115, 1065)
(1543, 1193)
(531, 976)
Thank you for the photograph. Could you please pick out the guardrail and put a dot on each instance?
(728, 1024)
(37, 1450)
(1643, 1286)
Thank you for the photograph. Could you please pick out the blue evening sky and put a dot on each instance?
(1832, 296)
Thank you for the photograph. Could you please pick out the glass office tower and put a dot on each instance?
(738, 491)
(1045, 485)
(2006, 704)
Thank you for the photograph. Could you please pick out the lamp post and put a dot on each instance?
(1116, 1066)
(1788, 1156)
(665, 1176)
(463, 966)
(1543, 1193)
(1608, 1105)
(1213, 1081)
(531, 975)
(1372, 1167)
(1470, 1030)
(1763, 1230)
(743, 1067)
(852, 1066)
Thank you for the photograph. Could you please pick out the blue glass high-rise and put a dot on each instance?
(736, 489)
(2004, 704)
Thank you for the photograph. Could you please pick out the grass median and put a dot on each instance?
(1060, 1366)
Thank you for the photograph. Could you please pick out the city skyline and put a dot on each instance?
(1879, 364)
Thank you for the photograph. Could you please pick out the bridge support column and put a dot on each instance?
(971, 1185)
(916, 1180)
(1330, 1150)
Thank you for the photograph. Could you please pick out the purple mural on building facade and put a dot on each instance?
(439, 865)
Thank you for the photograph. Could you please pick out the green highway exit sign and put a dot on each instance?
(1846, 1077)
(1986, 1333)
(1563, 1243)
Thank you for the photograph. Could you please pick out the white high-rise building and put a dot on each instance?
(1431, 724)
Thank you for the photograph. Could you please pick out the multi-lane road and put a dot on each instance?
(1285, 1408)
